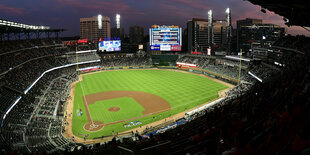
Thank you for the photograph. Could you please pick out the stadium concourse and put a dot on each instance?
(254, 118)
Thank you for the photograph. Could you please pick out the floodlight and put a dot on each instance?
(99, 21)
(118, 21)
(227, 11)
(210, 12)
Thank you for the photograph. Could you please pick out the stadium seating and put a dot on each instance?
(210, 64)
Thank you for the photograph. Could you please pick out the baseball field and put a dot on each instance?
(111, 102)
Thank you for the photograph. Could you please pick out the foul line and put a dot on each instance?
(86, 104)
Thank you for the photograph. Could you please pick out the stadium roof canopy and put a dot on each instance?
(295, 12)
(10, 30)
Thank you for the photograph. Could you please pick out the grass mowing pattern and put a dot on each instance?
(183, 91)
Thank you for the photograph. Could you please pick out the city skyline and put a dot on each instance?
(66, 13)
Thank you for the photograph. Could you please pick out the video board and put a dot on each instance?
(110, 45)
(166, 38)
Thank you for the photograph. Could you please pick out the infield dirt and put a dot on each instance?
(152, 104)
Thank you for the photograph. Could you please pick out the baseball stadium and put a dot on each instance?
(203, 85)
(106, 103)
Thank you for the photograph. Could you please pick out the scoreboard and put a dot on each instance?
(166, 38)
(110, 45)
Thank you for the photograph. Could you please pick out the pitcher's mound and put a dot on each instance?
(95, 126)
(114, 109)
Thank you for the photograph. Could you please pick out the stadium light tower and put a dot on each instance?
(118, 21)
(99, 21)
(228, 20)
(228, 28)
(210, 27)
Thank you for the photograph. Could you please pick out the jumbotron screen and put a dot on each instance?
(166, 38)
(110, 46)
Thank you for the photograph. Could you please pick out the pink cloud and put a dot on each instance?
(197, 5)
(115, 6)
(11, 10)
(176, 12)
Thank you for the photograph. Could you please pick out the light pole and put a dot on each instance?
(210, 27)
(228, 28)
(240, 66)
(118, 21)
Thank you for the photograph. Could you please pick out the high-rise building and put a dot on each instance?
(254, 31)
(94, 28)
(197, 31)
(241, 23)
(248, 21)
(219, 34)
(184, 40)
(201, 36)
(136, 34)
(118, 33)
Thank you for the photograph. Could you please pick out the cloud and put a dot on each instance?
(197, 5)
(297, 30)
(108, 7)
(11, 10)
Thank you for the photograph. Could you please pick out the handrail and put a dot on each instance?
(289, 49)
(123, 148)
(155, 145)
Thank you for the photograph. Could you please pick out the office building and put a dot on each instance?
(219, 34)
(200, 38)
(118, 33)
(136, 34)
(254, 31)
(94, 28)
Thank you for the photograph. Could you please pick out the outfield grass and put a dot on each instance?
(183, 91)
